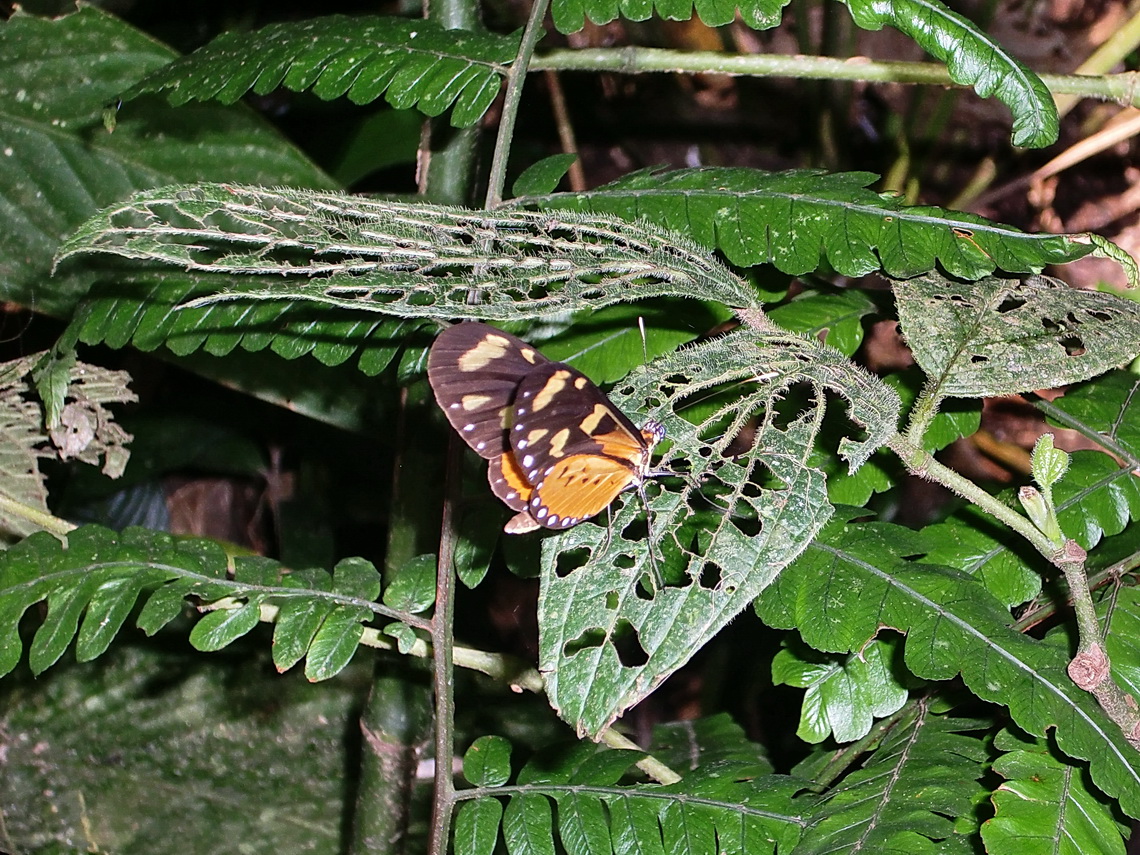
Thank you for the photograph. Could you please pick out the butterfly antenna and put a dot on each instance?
(658, 579)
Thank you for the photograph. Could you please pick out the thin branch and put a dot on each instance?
(516, 78)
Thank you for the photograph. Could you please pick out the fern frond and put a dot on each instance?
(853, 580)
(1046, 805)
(906, 795)
(149, 314)
(799, 219)
(414, 63)
(92, 584)
(575, 800)
(570, 15)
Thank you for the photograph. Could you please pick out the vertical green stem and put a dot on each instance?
(516, 77)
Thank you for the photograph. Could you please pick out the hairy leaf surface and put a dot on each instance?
(60, 165)
(742, 413)
(413, 261)
(799, 219)
(1004, 336)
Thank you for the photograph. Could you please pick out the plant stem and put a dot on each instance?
(1090, 667)
(640, 60)
(442, 639)
(923, 464)
(47, 522)
(516, 78)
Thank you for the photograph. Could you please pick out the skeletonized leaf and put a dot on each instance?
(418, 261)
(742, 412)
(1004, 336)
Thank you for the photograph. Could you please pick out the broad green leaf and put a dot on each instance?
(969, 541)
(972, 59)
(844, 695)
(543, 176)
(608, 344)
(219, 628)
(801, 220)
(1121, 613)
(61, 166)
(854, 579)
(1004, 336)
(477, 826)
(335, 642)
(296, 627)
(836, 318)
(487, 763)
(609, 632)
(1045, 806)
(411, 588)
(413, 261)
(527, 826)
(356, 577)
(416, 62)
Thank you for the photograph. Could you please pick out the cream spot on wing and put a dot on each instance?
(558, 442)
(591, 422)
(475, 402)
(554, 385)
(489, 348)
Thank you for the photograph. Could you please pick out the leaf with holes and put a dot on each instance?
(1004, 336)
(412, 261)
(741, 413)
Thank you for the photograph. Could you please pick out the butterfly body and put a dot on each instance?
(559, 451)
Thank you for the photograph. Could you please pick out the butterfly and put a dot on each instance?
(558, 451)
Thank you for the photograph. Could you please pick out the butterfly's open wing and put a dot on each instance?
(574, 446)
(474, 371)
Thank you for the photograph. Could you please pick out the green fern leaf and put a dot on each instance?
(570, 15)
(968, 542)
(1045, 807)
(755, 510)
(905, 795)
(571, 800)
(415, 62)
(844, 695)
(100, 576)
(412, 261)
(851, 581)
(477, 827)
(148, 315)
(972, 58)
(1005, 336)
(799, 219)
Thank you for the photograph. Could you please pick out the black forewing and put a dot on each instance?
(474, 371)
(539, 415)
